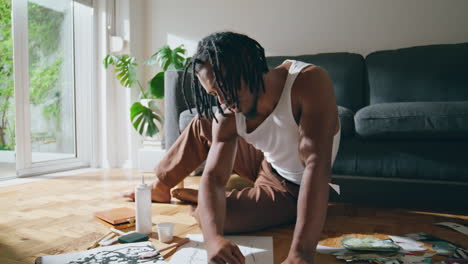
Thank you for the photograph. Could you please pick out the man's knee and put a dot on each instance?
(201, 127)
(231, 224)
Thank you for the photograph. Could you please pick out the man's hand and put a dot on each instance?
(222, 251)
(296, 258)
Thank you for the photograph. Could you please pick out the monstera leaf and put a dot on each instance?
(157, 85)
(169, 59)
(144, 120)
(153, 106)
(124, 68)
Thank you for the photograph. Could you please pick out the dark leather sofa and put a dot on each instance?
(404, 118)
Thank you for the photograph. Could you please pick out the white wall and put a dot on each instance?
(311, 26)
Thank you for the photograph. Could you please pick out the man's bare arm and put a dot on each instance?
(219, 164)
(317, 125)
(212, 193)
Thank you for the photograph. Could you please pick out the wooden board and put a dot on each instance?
(117, 216)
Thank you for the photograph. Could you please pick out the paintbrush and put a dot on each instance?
(96, 243)
(171, 246)
(176, 244)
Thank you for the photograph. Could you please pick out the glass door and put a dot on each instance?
(46, 92)
(51, 80)
(7, 104)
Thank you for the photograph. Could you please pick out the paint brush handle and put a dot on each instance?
(96, 243)
(176, 244)
(118, 232)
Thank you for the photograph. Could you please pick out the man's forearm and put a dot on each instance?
(211, 207)
(311, 210)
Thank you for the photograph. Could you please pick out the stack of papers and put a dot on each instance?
(406, 249)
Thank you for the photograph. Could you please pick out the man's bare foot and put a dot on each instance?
(160, 193)
(186, 195)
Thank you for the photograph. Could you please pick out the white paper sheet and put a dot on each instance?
(335, 187)
(255, 249)
(328, 250)
(407, 243)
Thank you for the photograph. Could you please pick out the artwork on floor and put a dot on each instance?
(256, 249)
(118, 254)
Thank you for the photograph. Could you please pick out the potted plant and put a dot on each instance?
(145, 114)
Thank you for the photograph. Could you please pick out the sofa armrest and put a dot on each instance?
(174, 103)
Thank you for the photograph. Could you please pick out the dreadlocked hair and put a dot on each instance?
(234, 58)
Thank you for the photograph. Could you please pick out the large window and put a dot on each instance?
(50, 84)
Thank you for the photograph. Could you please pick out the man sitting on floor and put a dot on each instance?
(279, 128)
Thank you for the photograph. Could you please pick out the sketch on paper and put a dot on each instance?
(124, 253)
(256, 250)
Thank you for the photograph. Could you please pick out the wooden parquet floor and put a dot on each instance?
(55, 216)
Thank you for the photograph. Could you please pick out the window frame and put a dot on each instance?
(84, 96)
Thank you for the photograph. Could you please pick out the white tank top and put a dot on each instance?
(278, 135)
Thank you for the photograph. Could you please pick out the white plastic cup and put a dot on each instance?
(165, 232)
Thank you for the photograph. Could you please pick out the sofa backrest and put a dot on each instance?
(424, 73)
(347, 71)
(174, 103)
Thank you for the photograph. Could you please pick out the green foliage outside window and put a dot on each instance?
(44, 63)
(6, 72)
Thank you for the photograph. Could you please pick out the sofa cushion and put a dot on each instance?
(414, 120)
(347, 71)
(185, 117)
(346, 120)
(419, 74)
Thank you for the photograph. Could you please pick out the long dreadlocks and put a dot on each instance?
(234, 58)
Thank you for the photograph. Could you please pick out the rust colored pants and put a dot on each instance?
(271, 201)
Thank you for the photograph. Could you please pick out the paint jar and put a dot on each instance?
(165, 232)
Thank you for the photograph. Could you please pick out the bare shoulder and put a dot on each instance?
(225, 129)
(314, 85)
